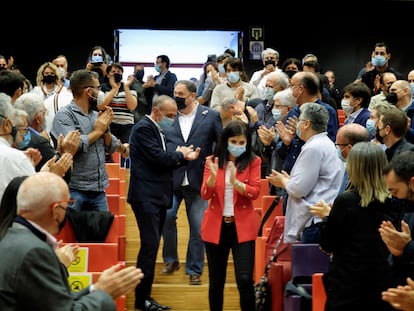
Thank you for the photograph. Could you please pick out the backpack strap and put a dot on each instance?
(268, 213)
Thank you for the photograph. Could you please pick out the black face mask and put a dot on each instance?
(139, 75)
(270, 62)
(180, 102)
(392, 98)
(49, 79)
(62, 223)
(290, 73)
(117, 77)
(93, 103)
(13, 133)
(379, 137)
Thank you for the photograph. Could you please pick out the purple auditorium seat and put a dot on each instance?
(307, 259)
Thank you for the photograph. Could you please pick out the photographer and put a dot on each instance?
(98, 60)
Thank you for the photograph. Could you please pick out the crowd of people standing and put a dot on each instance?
(207, 144)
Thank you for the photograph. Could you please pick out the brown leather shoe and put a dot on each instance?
(195, 279)
(171, 267)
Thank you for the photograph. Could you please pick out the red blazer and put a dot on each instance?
(244, 214)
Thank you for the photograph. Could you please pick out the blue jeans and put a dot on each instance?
(195, 207)
(89, 200)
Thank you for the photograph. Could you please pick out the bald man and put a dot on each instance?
(347, 136)
(33, 278)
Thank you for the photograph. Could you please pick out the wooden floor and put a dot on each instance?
(174, 290)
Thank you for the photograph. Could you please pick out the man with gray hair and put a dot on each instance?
(33, 104)
(13, 162)
(317, 174)
(270, 58)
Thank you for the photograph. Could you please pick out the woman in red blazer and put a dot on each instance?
(231, 182)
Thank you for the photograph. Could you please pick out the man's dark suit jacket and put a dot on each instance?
(37, 141)
(33, 278)
(166, 87)
(205, 132)
(151, 166)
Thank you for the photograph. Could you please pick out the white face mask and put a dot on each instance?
(101, 97)
(346, 106)
(61, 72)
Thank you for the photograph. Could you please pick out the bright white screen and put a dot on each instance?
(188, 50)
(181, 46)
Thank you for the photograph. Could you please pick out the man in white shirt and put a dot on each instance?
(270, 58)
(13, 162)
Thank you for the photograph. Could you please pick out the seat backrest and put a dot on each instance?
(274, 235)
(341, 116)
(308, 259)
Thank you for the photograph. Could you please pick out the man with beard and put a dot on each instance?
(89, 178)
(399, 176)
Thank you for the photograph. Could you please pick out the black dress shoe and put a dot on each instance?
(171, 267)
(152, 305)
(195, 279)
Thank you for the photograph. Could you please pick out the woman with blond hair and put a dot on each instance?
(359, 269)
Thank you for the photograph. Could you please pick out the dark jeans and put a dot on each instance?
(311, 234)
(243, 257)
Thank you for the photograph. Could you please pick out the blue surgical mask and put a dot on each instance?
(96, 59)
(233, 77)
(297, 129)
(165, 122)
(236, 150)
(340, 154)
(412, 89)
(157, 68)
(221, 69)
(370, 125)
(379, 60)
(25, 142)
(277, 114)
(269, 93)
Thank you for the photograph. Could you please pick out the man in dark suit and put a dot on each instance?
(162, 84)
(199, 126)
(150, 190)
(33, 277)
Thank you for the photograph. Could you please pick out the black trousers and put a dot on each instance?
(150, 219)
(243, 258)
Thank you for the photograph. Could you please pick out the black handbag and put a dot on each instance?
(91, 226)
(262, 289)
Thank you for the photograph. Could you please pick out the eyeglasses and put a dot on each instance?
(299, 120)
(94, 87)
(69, 202)
(336, 144)
(22, 129)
